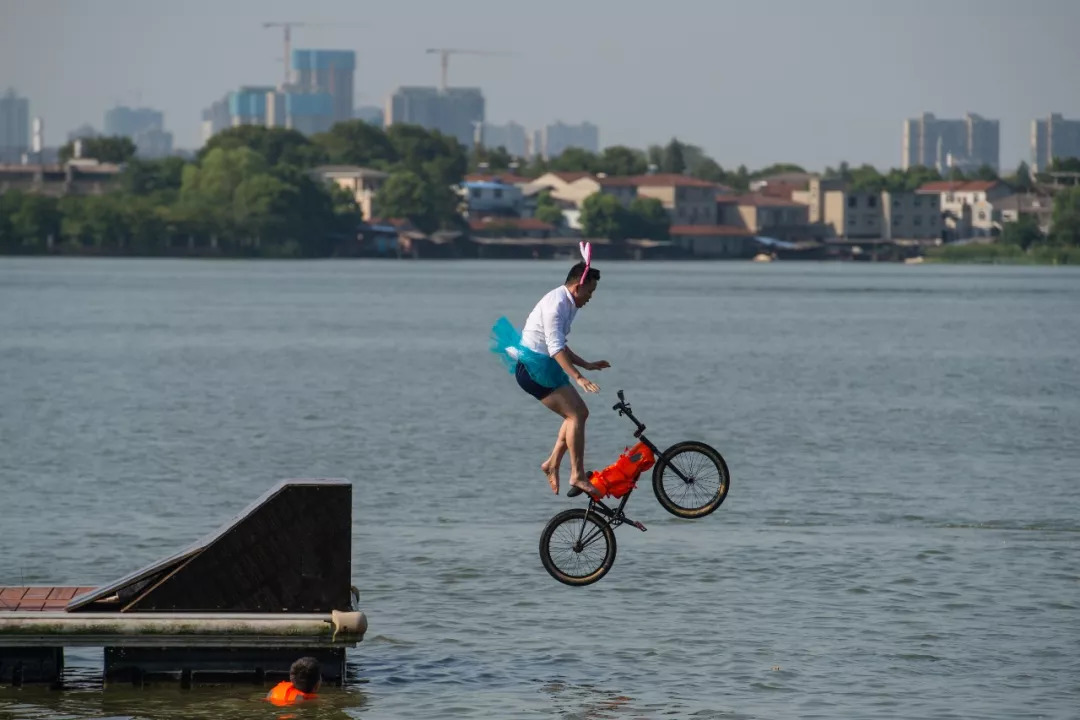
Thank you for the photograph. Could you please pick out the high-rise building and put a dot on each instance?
(127, 122)
(305, 112)
(144, 126)
(247, 106)
(1054, 137)
(326, 71)
(510, 136)
(554, 139)
(972, 141)
(456, 112)
(216, 118)
(14, 126)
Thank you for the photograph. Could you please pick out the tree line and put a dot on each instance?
(249, 192)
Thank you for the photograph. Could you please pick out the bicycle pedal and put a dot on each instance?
(638, 525)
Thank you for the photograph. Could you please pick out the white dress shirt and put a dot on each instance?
(548, 324)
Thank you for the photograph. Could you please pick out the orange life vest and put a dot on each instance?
(285, 693)
(620, 477)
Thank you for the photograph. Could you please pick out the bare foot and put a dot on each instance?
(584, 485)
(552, 472)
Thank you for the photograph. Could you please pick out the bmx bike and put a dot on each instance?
(690, 480)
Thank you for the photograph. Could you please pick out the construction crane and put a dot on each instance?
(289, 25)
(445, 54)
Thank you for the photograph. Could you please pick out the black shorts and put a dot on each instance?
(529, 385)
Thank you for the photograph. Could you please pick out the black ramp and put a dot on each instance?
(290, 551)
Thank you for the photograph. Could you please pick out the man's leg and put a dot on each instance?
(566, 402)
(551, 465)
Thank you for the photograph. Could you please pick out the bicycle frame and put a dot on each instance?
(615, 516)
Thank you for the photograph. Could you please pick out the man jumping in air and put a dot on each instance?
(543, 364)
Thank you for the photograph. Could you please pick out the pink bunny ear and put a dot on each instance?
(586, 254)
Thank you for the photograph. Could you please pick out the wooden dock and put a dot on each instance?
(269, 586)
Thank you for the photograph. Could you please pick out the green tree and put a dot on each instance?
(673, 160)
(741, 179)
(1069, 164)
(152, 177)
(31, 220)
(919, 175)
(261, 208)
(1021, 180)
(649, 219)
(274, 145)
(710, 170)
(1024, 233)
(622, 160)
(777, 169)
(407, 195)
(547, 210)
(438, 157)
(866, 178)
(356, 142)
(145, 225)
(654, 156)
(985, 172)
(602, 215)
(315, 215)
(207, 189)
(490, 159)
(96, 221)
(1066, 217)
(103, 149)
(575, 159)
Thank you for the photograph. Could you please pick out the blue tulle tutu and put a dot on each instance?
(506, 344)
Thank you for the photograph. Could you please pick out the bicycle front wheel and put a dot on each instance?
(690, 479)
(577, 548)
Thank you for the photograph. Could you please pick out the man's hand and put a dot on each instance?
(599, 365)
(587, 385)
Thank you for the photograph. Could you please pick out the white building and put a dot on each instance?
(968, 206)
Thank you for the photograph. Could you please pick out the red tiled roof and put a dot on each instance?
(708, 230)
(940, 186)
(781, 189)
(510, 222)
(506, 178)
(757, 200)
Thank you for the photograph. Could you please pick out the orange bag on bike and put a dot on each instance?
(621, 476)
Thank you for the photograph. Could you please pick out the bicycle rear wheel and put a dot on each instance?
(691, 479)
(577, 548)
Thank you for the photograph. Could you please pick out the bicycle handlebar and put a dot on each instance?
(623, 408)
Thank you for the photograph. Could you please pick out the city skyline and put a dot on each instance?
(743, 101)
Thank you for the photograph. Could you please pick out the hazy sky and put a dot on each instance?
(806, 81)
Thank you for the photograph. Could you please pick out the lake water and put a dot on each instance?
(901, 539)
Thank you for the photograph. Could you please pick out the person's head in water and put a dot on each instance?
(306, 675)
(582, 291)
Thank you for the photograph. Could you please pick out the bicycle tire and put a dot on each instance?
(690, 512)
(570, 516)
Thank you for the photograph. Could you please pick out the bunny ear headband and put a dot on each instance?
(586, 254)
